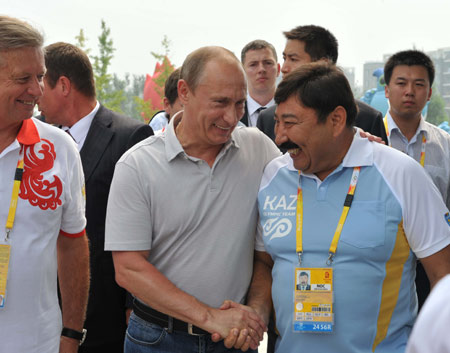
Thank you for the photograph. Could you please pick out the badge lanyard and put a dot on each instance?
(342, 219)
(424, 142)
(14, 197)
(313, 300)
(5, 248)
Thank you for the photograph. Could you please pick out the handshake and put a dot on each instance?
(240, 326)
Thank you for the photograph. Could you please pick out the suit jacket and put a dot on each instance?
(109, 136)
(368, 119)
(244, 119)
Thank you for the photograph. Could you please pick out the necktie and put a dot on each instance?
(258, 112)
(260, 109)
(68, 132)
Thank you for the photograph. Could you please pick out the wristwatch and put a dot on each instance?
(77, 335)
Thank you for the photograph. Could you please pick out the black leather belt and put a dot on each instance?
(171, 324)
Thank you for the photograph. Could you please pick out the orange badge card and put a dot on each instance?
(313, 300)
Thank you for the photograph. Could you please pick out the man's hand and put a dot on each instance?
(68, 345)
(238, 337)
(371, 137)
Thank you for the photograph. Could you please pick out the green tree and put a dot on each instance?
(106, 93)
(123, 95)
(131, 87)
(81, 42)
(436, 108)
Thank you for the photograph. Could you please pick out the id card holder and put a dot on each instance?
(5, 254)
(313, 300)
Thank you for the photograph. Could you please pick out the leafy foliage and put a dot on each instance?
(436, 108)
(123, 95)
(110, 97)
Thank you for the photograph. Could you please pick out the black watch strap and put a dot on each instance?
(77, 335)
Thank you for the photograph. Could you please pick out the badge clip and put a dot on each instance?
(299, 254)
(330, 259)
(8, 230)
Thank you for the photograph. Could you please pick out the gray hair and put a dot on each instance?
(15, 34)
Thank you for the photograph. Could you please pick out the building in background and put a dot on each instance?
(441, 59)
(369, 80)
(349, 73)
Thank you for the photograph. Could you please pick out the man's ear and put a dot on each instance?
(184, 91)
(429, 94)
(386, 91)
(65, 86)
(338, 119)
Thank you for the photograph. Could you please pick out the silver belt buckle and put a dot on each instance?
(191, 332)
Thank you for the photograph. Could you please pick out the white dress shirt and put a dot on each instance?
(80, 129)
(253, 111)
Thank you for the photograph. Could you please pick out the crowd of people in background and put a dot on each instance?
(244, 207)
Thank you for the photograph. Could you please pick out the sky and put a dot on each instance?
(365, 29)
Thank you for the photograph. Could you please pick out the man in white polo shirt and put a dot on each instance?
(42, 209)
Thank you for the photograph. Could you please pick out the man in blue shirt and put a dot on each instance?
(355, 214)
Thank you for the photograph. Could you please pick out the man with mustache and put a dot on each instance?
(311, 43)
(260, 62)
(341, 207)
(409, 76)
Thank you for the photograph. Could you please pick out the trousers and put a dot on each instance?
(147, 337)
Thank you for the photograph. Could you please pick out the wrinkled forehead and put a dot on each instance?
(219, 72)
(23, 58)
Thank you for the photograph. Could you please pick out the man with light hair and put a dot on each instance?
(42, 209)
(182, 216)
(260, 62)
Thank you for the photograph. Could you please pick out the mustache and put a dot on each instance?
(288, 145)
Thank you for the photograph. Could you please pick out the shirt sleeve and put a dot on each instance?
(73, 219)
(128, 226)
(259, 242)
(425, 216)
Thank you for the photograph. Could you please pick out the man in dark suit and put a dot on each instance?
(306, 44)
(260, 62)
(303, 281)
(102, 137)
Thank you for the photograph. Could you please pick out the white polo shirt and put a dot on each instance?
(437, 151)
(50, 201)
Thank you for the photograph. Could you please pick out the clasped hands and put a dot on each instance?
(240, 326)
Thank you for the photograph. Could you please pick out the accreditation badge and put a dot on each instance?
(5, 252)
(313, 300)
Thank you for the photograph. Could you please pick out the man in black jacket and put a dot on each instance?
(102, 137)
(310, 43)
